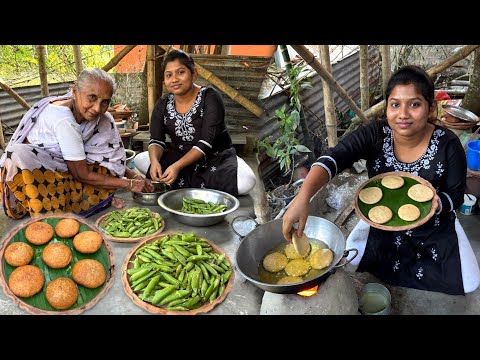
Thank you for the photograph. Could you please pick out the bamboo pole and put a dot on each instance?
(150, 80)
(386, 66)
(13, 94)
(329, 106)
(2, 139)
(227, 89)
(77, 55)
(159, 52)
(310, 59)
(42, 69)
(116, 59)
(364, 91)
(377, 109)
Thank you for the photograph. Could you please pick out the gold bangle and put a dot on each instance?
(136, 175)
(131, 185)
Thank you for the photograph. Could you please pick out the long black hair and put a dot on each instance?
(181, 56)
(412, 74)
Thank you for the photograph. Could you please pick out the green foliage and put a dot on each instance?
(286, 146)
(19, 63)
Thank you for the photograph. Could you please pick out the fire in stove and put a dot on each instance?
(309, 292)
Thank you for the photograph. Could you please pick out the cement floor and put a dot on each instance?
(245, 298)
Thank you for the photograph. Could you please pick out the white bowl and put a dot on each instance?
(172, 202)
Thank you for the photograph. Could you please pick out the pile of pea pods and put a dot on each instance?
(197, 206)
(179, 272)
(131, 223)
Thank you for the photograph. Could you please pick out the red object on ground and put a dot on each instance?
(442, 95)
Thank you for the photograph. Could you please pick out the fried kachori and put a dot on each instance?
(275, 262)
(67, 228)
(393, 182)
(89, 273)
(297, 267)
(18, 253)
(289, 280)
(57, 255)
(408, 212)
(370, 195)
(291, 252)
(39, 233)
(321, 259)
(420, 193)
(26, 280)
(61, 293)
(87, 242)
(380, 214)
(301, 244)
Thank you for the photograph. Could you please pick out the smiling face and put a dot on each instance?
(178, 78)
(407, 110)
(92, 99)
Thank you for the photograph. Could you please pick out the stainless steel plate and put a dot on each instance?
(460, 113)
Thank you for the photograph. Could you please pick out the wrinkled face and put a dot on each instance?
(93, 99)
(407, 110)
(178, 78)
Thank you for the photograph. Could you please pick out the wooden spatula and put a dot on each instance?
(300, 244)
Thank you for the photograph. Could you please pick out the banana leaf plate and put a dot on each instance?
(38, 304)
(154, 309)
(394, 199)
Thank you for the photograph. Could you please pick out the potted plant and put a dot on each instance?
(287, 146)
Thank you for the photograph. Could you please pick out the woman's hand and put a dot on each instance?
(296, 213)
(170, 175)
(140, 185)
(156, 171)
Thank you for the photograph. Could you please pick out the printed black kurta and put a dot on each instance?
(426, 257)
(202, 127)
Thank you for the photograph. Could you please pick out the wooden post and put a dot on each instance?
(158, 72)
(42, 69)
(150, 80)
(310, 59)
(364, 91)
(2, 139)
(13, 94)
(77, 55)
(227, 89)
(225, 49)
(329, 106)
(386, 66)
(116, 59)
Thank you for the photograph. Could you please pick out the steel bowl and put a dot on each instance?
(130, 154)
(172, 201)
(152, 197)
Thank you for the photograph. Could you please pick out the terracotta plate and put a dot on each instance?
(393, 199)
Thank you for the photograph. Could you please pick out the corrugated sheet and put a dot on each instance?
(245, 74)
(347, 74)
(11, 111)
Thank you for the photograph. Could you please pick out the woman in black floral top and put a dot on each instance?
(201, 154)
(436, 256)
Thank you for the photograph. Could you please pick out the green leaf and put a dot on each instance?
(302, 148)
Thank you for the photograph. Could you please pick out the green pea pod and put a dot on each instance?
(191, 302)
(139, 274)
(216, 267)
(213, 295)
(170, 279)
(210, 269)
(177, 294)
(226, 276)
(162, 294)
(220, 258)
(198, 257)
(151, 285)
(204, 287)
(140, 286)
(177, 308)
(206, 275)
(221, 289)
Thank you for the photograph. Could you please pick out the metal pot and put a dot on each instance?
(263, 238)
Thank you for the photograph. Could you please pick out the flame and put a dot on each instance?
(308, 292)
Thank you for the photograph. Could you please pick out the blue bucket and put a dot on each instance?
(473, 155)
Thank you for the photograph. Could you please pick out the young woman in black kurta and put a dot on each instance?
(436, 256)
(203, 128)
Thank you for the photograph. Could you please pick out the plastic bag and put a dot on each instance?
(337, 195)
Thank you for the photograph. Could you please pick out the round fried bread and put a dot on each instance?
(420, 193)
(18, 253)
(297, 267)
(39, 233)
(380, 214)
(57, 255)
(393, 182)
(321, 258)
(66, 228)
(26, 281)
(291, 252)
(87, 242)
(61, 293)
(289, 280)
(275, 262)
(370, 195)
(89, 273)
(408, 212)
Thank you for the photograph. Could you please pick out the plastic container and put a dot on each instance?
(473, 155)
(374, 299)
(468, 206)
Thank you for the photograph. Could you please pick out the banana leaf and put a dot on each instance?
(84, 294)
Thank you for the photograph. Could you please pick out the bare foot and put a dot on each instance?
(118, 203)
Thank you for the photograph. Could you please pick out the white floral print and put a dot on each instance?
(396, 266)
(398, 241)
(434, 254)
(419, 273)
